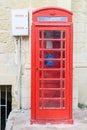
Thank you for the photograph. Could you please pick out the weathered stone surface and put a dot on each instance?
(20, 120)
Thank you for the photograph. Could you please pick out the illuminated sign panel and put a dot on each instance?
(52, 18)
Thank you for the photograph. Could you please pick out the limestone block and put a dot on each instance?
(80, 57)
(65, 4)
(75, 37)
(79, 17)
(4, 13)
(7, 79)
(25, 92)
(5, 25)
(14, 103)
(52, 3)
(82, 83)
(3, 68)
(81, 27)
(79, 5)
(3, 47)
(10, 47)
(18, 4)
(58, 3)
(28, 58)
(4, 58)
(79, 48)
(4, 37)
(12, 69)
(75, 27)
(75, 88)
(37, 3)
(81, 37)
(26, 79)
(25, 103)
(75, 103)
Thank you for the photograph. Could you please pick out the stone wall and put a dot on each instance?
(9, 49)
(9, 61)
(47, 3)
(79, 9)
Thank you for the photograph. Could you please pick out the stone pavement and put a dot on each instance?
(19, 120)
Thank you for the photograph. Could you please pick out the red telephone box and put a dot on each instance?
(51, 95)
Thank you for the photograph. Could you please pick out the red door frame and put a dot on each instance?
(37, 24)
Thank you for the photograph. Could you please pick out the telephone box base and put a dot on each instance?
(51, 121)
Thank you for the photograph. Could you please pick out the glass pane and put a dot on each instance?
(63, 74)
(63, 93)
(9, 100)
(52, 103)
(63, 34)
(40, 34)
(53, 34)
(40, 54)
(63, 84)
(50, 74)
(3, 95)
(63, 104)
(40, 44)
(51, 93)
(63, 64)
(52, 18)
(52, 54)
(40, 103)
(3, 121)
(52, 69)
(52, 44)
(50, 64)
(48, 44)
(50, 84)
(63, 54)
(63, 44)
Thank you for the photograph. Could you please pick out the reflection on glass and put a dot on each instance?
(50, 84)
(63, 74)
(49, 44)
(3, 120)
(63, 64)
(49, 74)
(51, 93)
(63, 84)
(63, 104)
(64, 34)
(40, 34)
(63, 54)
(52, 103)
(40, 43)
(52, 69)
(53, 34)
(63, 93)
(52, 44)
(3, 95)
(63, 44)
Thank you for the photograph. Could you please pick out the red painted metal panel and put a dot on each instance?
(51, 99)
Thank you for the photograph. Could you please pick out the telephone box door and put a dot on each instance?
(52, 73)
(51, 67)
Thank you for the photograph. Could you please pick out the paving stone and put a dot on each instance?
(20, 120)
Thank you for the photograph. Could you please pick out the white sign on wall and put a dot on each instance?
(20, 22)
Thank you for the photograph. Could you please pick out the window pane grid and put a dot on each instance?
(52, 67)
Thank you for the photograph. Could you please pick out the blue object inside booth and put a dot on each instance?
(49, 63)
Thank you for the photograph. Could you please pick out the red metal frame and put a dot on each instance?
(38, 115)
